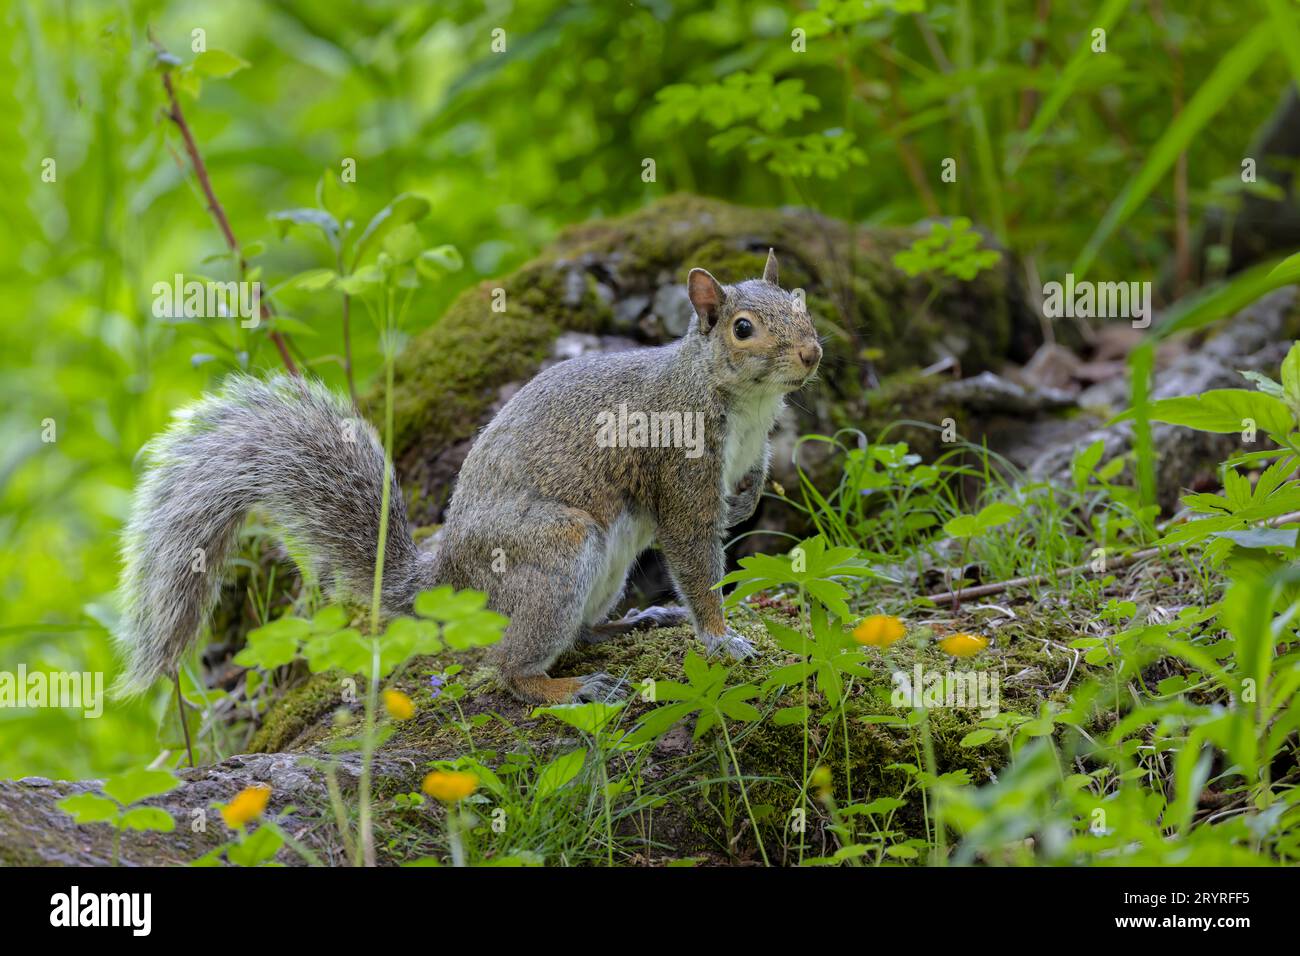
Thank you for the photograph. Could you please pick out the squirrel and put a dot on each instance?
(545, 519)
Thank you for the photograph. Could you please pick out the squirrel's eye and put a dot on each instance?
(743, 328)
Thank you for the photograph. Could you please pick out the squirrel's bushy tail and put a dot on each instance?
(287, 447)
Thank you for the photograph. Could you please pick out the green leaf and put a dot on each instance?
(977, 737)
(171, 734)
(346, 650)
(335, 197)
(1263, 383)
(329, 618)
(287, 323)
(218, 64)
(788, 675)
(89, 808)
(1038, 727)
(1286, 271)
(256, 848)
(148, 818)
(658, 721)
(404, 209)
(559, 772)
(733, 703)
(879, 805)
(996, 514)
(403, 242)
(831, 595)
(360, 281)
(318, 218)
(787, 638)
(1287, 32)
(434, 263)
(695, 668)
(274, 645)
(1260, 537)
(140, 784)
(1291, 375)
(1223, 411)
(1085, 463)
(788, 716)
(590, 718)
(962, 526)
(405, 638)
(311, 280)
(1191, 771)
(1208, 305)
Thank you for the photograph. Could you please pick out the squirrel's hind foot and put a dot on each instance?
(600, 686)
(635, 620)
(540, 689)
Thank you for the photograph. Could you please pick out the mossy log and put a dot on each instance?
(620, 282)
(306, 730)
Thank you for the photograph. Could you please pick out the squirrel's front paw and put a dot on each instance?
(731, 642)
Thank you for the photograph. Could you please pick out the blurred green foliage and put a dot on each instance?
(854, 114)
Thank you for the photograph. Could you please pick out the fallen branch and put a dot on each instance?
(997, 587)
(174, 114)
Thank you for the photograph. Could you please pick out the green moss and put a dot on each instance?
(299, 713)
(905, 396)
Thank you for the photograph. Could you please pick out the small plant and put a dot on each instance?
(117, 806)
(951, 249)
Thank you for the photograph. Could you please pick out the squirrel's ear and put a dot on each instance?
(770, 270)
(706, 295)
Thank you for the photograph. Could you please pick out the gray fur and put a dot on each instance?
(281, 446)
(544, 520)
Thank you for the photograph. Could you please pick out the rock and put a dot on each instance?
(1053, 366)
(627, 312)
(1255, 339)
(987, 393)
(672, 307)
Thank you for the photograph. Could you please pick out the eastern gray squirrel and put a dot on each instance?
(545, 519)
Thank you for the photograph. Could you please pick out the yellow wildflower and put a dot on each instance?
(450, 786)
(246, 807)
(879, 630)
(398, 705)
(964, 645)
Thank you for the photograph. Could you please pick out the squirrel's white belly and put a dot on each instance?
(626, 538)
(747, 430)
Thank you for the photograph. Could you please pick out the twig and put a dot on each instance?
(180, 706)
(1182, 228)
(174, 114)
(932, 43)
(997, 587)
(347, 339)
(1029, 96)
(911, 164)
(984, 590)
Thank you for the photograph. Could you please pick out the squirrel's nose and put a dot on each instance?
(810, 355)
